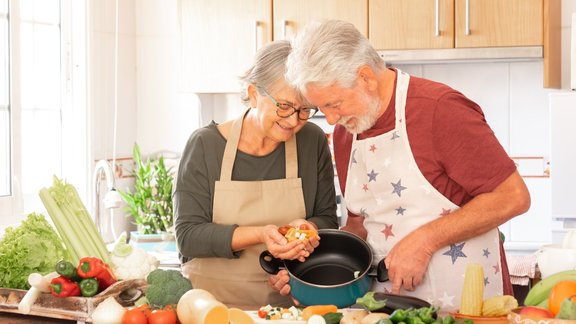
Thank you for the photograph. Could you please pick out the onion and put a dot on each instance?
(108, 312)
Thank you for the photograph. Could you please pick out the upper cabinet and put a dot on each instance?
(418, 24)
(291, 15)
(220, 37)
(411, 24)
(495, 23)
(219, 40)
(414, 30)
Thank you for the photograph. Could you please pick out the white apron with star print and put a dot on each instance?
(385, 186)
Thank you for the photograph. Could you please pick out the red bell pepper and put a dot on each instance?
(64, 287)
(92, 267)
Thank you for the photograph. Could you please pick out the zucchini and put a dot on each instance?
(394, 302)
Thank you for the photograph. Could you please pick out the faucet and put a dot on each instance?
(112, 198)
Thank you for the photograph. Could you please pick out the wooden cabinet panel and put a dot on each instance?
(219, 40)
(494, 23)
(411, 24)
(291, 15)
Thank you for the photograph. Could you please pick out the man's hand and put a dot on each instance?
(407, 263)
(279, 282)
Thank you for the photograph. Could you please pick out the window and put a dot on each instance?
(37, 116)
(4, 102)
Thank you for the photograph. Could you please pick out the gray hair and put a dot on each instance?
(269, 66)
(330, 52)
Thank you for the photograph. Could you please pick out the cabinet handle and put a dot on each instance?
(284, 26)
(467, 31)
(256, 25)
(437, 30)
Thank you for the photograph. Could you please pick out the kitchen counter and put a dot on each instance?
(12, 318)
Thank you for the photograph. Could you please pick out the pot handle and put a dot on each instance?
(269, 263)
(381, 272)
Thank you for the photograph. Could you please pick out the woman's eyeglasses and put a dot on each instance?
(286, 110)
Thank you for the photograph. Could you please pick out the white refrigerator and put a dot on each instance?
(563, 155)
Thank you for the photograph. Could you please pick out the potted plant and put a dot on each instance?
(150, 204)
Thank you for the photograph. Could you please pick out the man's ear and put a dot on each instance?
(367, 78)
(252, 93)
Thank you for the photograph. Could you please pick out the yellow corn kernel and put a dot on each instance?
(473, 290)
(499, 305)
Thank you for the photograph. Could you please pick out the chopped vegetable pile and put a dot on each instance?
(31, 247)
(275, 313)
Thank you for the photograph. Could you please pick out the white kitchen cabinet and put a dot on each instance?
(220, 37)
(219, 40)
(529, 231)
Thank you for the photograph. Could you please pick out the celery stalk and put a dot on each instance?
(60, 223)
(66, 208)
(90, 227)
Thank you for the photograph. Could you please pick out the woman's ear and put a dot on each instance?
(252, 95)
(367, 78)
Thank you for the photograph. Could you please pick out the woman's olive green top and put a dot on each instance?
(199, 169)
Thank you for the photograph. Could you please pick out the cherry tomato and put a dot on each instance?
(134, 316)
(305, 227)
(162, 316)
(262, 313)
(284, 229)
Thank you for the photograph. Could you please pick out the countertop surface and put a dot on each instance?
(10, 318)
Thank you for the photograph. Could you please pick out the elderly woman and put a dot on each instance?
(240, 180)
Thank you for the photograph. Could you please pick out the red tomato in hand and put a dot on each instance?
(305, 227)
(284, 229)
(162, 316)
(134, 316)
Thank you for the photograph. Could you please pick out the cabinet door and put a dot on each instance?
(411, 24)
(291, 15)
(219, 40)
(494, 23)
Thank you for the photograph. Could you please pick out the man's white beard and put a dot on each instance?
(365, 122)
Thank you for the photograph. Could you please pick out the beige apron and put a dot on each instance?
(242, 282)
(385, 185)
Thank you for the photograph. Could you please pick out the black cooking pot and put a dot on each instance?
(336, 273)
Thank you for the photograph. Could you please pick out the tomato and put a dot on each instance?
(559, 292)
(262, 313)
(162, 316)
(305, 227)
(284, 229)
(134, 316)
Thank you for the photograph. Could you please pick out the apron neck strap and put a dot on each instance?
(232, 147)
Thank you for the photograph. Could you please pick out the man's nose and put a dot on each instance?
(332, 118)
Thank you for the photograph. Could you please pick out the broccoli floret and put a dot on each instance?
(165, 287)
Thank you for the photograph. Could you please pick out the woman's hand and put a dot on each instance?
(279, 246)
(310, 243)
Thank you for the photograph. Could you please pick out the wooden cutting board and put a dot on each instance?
(126, 292)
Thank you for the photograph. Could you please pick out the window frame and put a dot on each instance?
(74, 107)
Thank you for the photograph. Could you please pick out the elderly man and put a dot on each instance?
(425, 180)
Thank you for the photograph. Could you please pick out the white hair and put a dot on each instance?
(330, 52)
(268, 68)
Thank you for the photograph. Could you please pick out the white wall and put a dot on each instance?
(160, 117)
